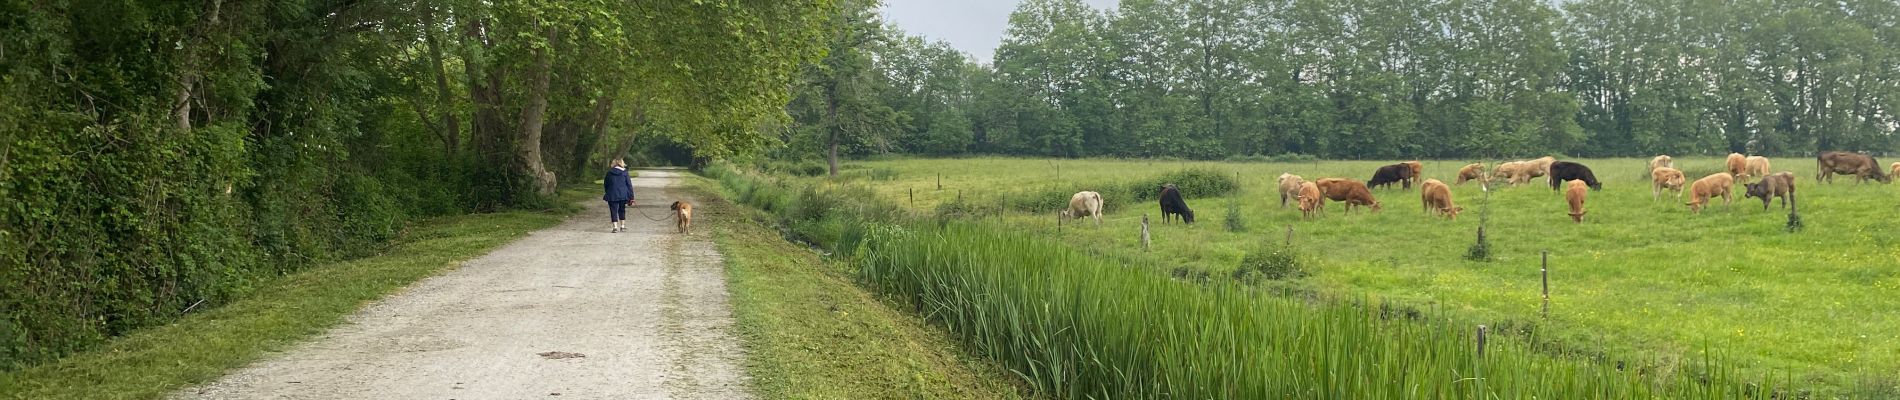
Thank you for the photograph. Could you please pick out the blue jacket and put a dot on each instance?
(617, 186)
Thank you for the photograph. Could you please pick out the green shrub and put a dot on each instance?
(1193, 183)
(1271, 262)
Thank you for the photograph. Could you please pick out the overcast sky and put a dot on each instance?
(974, 26)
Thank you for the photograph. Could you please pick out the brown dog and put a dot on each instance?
(683, 211)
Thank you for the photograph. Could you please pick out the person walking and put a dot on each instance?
(619, 188)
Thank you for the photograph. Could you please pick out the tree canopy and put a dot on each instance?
(1399, 79)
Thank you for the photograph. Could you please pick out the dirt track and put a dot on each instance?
(571, 312)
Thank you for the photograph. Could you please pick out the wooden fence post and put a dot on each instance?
(1546, 271)
(1481, 330)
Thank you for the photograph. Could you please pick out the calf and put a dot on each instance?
(1473, 171)
(1707, 188)
(1567, 171)
(1085, 204)
(1859, 165)
(1351, 192)
(1395, 173)
(1895, 170)
(1757, 166)
(1437, 199)
(1777, 185)
(1736, 165)
(1575, 195)
(1312, 203)
(1289, 188)
(1171, 204)
(1665, 178)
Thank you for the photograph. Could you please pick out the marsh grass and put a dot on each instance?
(1641, 280)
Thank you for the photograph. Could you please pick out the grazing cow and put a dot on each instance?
(1171, 204)
(1661, 161)
(1418, 171)
(1473, 171)
(1736, 165)
(1351, 192)
(1516, 172)
(1083, 205)
(1665, 178)
(1575, 195)
(1289, 188)
(1895, 171)
(1540, 166)
(683, 211)
(1777, 185)
(1566, 171)
(1437, 199)
(1396, 173)
(1707, 188)
(1757, 166)
(1840, 162)
(1311, 201)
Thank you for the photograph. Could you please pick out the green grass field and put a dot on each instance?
(1640, 278)
(813, 334)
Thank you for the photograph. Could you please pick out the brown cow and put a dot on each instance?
(1418, 170)
(1540, 166)
(1289, 188)
(1575, 194)
(1707, 188)
(1312, 203)
(1665, 178)
(1475, 171)
(1737, 165)
(1839, 162)
(1661, 161)
(1517, 172)
(1777, 185)
(1757, 166)
(1351, 192)
(1437, 199)
(1895, 168)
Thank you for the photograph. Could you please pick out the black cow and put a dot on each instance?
(1387, 175)
(1561, 171)
(1171, 204)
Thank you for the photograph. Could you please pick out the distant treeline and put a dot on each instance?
(160, 157)
(1373, 79)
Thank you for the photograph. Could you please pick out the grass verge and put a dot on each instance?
(151, 363)
(814, 334)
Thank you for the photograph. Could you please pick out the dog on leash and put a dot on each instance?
(683, 212)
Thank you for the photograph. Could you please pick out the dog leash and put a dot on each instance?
(643, 214)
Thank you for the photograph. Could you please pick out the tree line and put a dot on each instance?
(161, 156)
(1369, 79)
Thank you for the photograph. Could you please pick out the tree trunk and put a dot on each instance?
(533, 116)
(831, 140)
(484, 92)
(452, 126)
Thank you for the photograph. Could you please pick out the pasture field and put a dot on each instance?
(1639, 278)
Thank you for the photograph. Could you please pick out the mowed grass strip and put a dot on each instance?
(154, 362)
(812, 333)
(1638, 277)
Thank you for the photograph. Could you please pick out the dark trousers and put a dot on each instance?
(617, 210)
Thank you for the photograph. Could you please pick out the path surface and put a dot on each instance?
(646, 310)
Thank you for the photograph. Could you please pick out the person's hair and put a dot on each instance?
(619, 163)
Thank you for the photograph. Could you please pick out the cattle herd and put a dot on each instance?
(1575, 180)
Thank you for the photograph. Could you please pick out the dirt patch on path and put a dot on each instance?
(639, 314)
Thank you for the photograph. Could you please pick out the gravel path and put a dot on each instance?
(570, 312)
